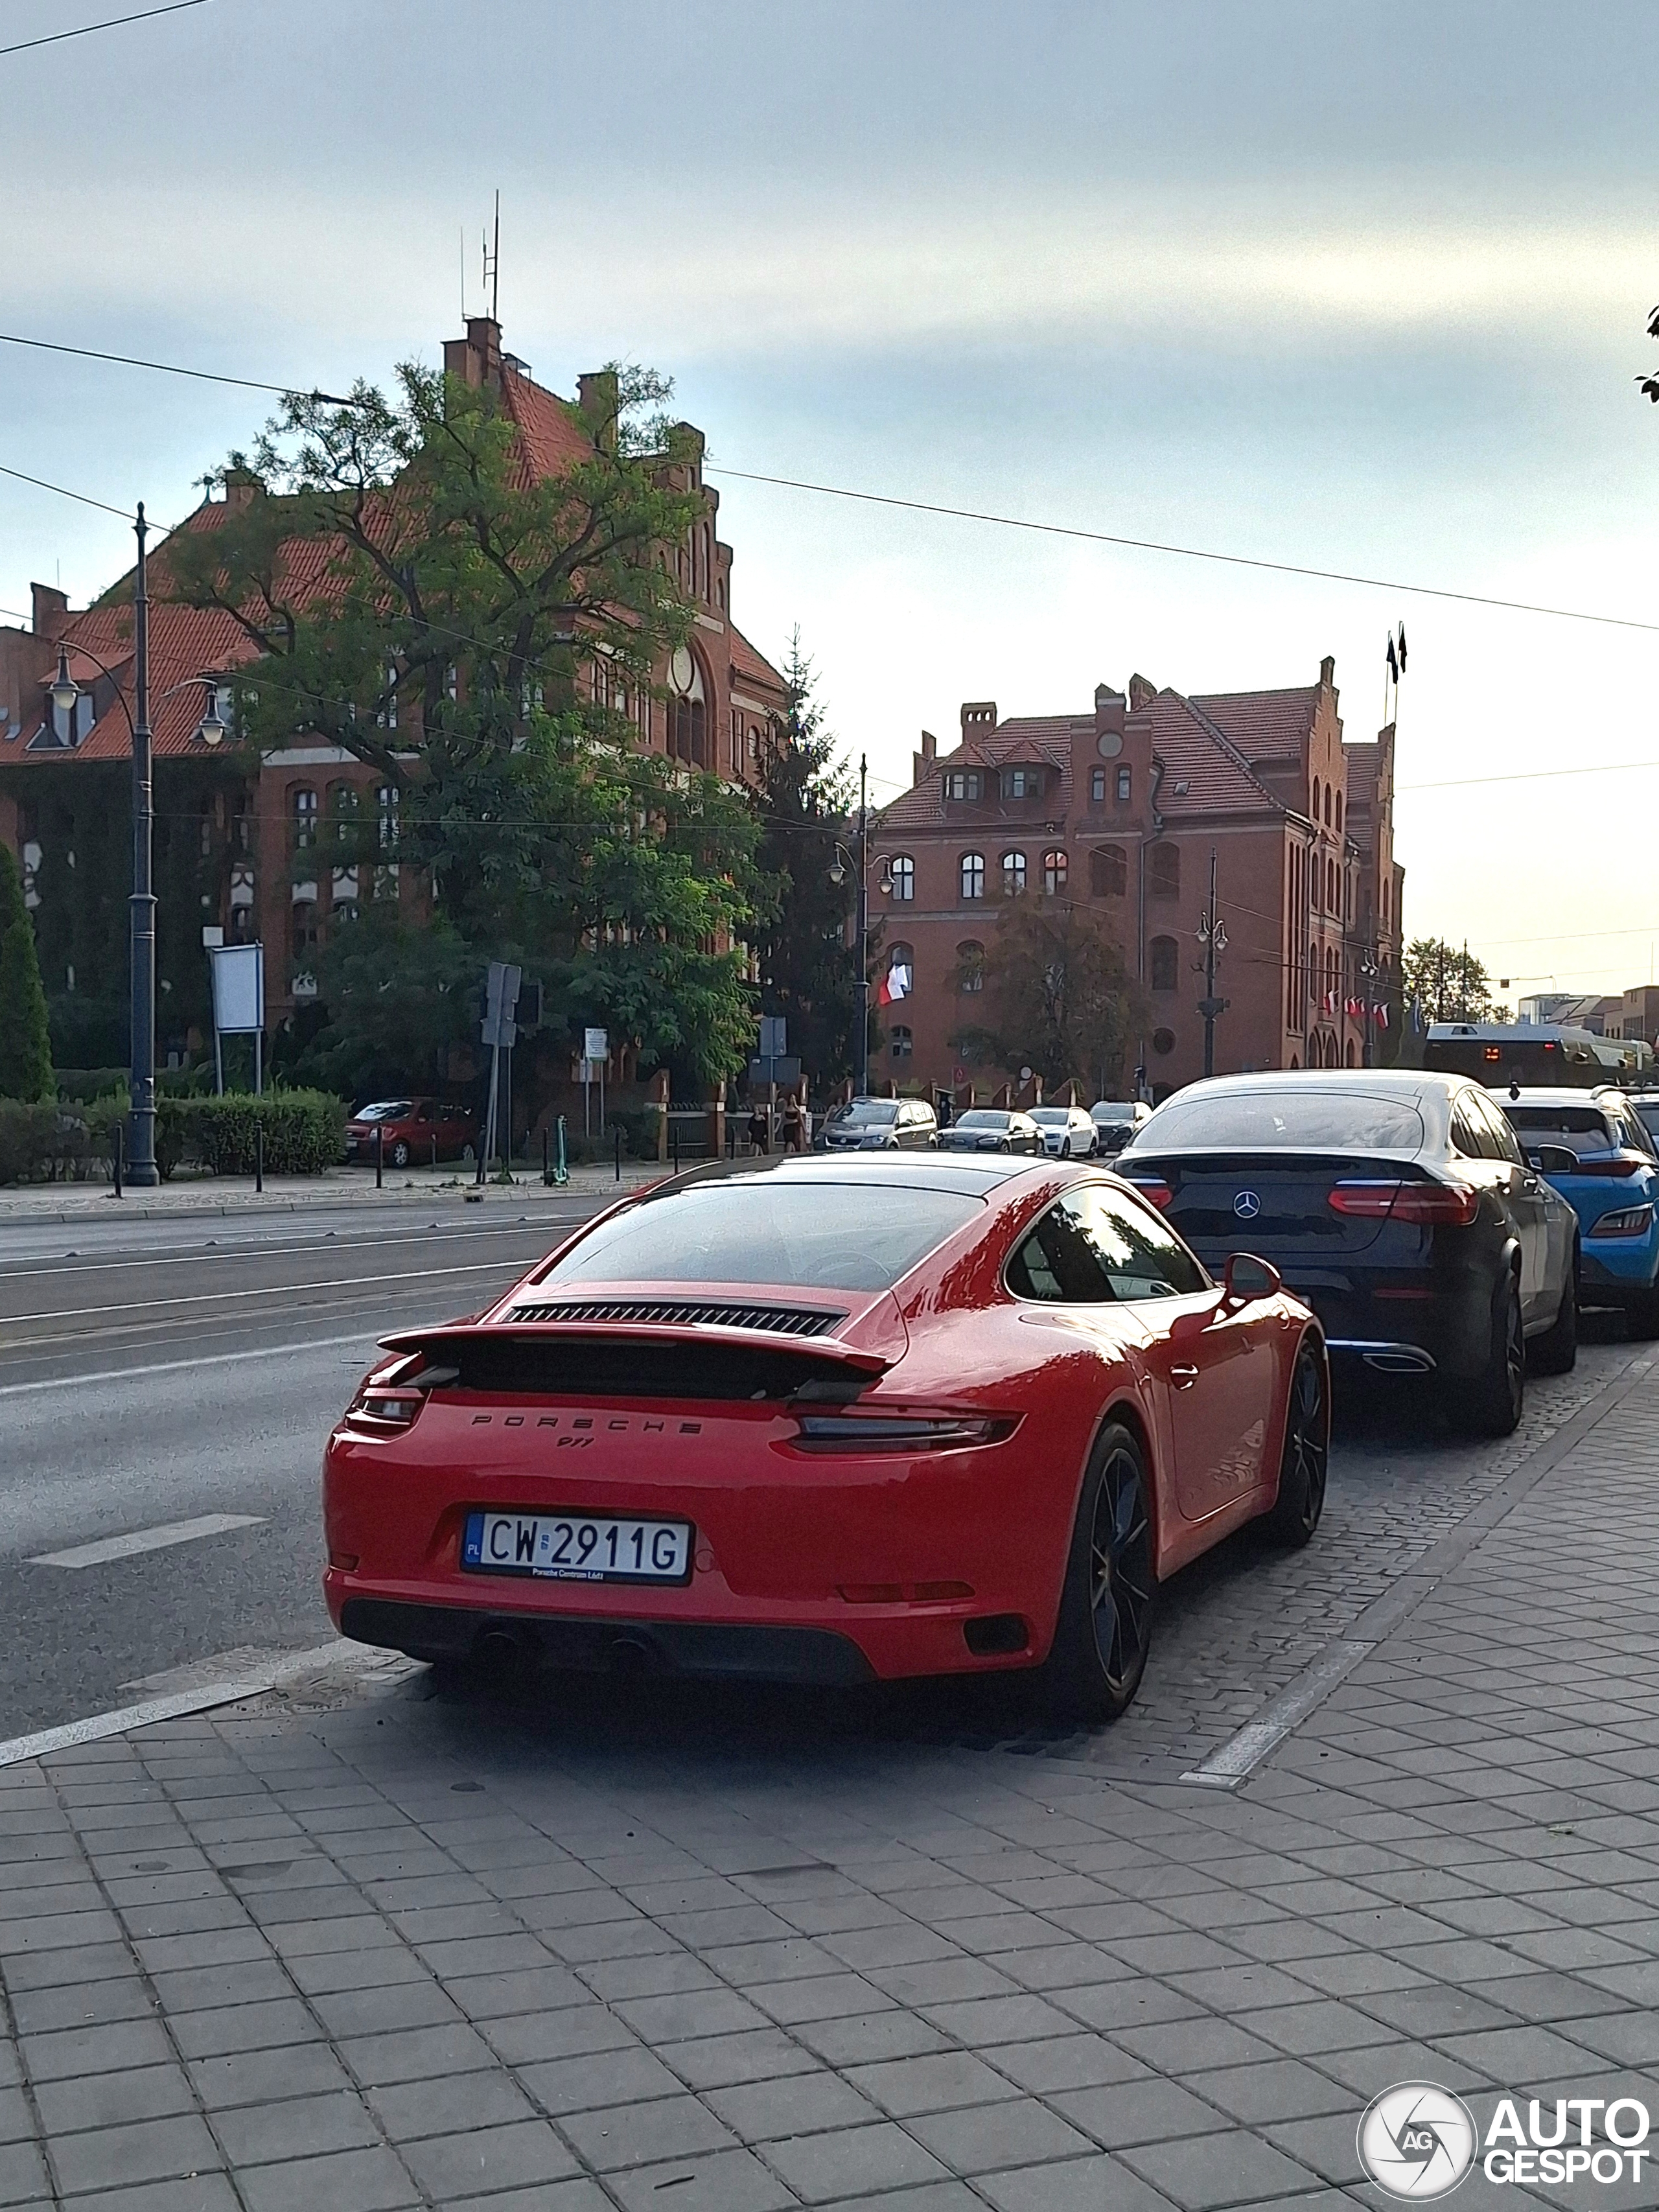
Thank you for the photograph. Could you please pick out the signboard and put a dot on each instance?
(239, 988)
(774, 1037)
(501, 998)
(596, 1044)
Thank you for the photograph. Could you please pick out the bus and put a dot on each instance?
(1535, 1052)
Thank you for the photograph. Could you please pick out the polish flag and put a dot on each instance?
(895, 984)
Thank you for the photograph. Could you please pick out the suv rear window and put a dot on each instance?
(1288, 1121)
(819, 1235)
(1584, 1128)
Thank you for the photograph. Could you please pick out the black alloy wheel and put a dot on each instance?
(1104, 1628)
(1491, 1405)
(1305, 1460)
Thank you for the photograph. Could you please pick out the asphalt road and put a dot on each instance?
(153, 1373)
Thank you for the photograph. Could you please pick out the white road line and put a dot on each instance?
(273, 1290)
(92, 1262)
(97, 1726)
(1238, 1758)
(148, 1540)
(363, 1336)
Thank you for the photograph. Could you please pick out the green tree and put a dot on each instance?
(25, 1044)
(1057, 996)
(807, 971)
(482, 635)
(1448, 982)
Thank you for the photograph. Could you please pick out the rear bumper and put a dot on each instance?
(813, 1655)
(1616, 1269)
(1447, 1332)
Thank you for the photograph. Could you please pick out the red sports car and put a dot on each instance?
(826, 1421)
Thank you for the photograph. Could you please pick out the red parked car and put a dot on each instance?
(823, 1420)
(408, 1128)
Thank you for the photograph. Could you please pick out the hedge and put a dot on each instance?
(304, 1133)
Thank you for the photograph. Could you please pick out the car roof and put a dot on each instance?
(1407, 1084)
(1554, 1094)
(975, 1178)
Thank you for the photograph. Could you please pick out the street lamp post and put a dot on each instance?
(141, 1171)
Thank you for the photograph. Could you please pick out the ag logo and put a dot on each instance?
(1247, 1205)
(1417, 2140)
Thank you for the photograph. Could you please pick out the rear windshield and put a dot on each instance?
(1293, 1121)
(981, 1117)
(1050, 1117)
(817, 1235)
(1581, 1126)
(394, 1109)
(868, 1111)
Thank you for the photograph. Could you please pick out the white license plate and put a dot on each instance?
(577, 1547)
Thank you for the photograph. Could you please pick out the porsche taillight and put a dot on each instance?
(1424, 1204)
(900, 1432)
(1613, 1163)
(385, 1405)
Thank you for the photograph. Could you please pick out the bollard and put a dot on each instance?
(379, 1157)
(619, 1152)
(118, 1155)
(547, 1175)
(674, 1142)
(562, 1172)
(258, 1155)
(435, 1152)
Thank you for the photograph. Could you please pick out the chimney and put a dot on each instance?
(979, 718)
(1142, 692)
(1327, 673)
(598, 396)
(921, 761)
(1109, 707)
(242, 488)
(50, 617)
(477, 358)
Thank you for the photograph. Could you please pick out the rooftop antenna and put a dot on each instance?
(492, 266)
(462, 276)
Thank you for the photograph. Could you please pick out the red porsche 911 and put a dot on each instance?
(827, 1421)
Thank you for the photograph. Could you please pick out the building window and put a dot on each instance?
(303, 803)
(1125, 784)
(1339, 810)
(1165, 959)
(1108, 873)
(964, 783)
(1013, 873)
(902, 870)
(970, 965)
(343, 804)
(1096, 785)
(1163, 870)
(972, 875)
(901, 1041)
(686, 719)
(1022, 783)
(1315, 798)
(1054, 872)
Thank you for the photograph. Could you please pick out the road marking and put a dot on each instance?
(270, 1290)
(95, 1263)
(148, 1540)
(1239, 1757)
(251, 1684)
(177, 1366)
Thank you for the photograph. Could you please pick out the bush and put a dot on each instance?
(305, 1130)
(104, 1115)
(79, 1086)
(38, 1140)
(639, 1126)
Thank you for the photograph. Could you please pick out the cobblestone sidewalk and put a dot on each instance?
(697, 1954)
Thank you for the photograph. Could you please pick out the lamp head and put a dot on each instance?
(837, 874)
(64, 689)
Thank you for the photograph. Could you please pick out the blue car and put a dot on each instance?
(1594, 1148)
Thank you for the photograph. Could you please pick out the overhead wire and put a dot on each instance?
(108, 23)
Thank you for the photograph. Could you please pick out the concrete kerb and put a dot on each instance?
(93, 1203)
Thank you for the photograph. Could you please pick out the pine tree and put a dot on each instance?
(808, 971)
(25, 1043)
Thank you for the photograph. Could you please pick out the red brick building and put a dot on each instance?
(64, 779)
(1121, 808)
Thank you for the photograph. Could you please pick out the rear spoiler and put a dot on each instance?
(449, 1339)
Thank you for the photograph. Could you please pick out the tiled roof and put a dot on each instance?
(1264, 725)
(751, 666)
(552, 440)
(1045, 738)
(1196, 753)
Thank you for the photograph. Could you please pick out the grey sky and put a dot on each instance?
(1359, 285)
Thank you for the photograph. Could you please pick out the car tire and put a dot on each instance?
(1305, 1462)
(1556, 1352)
(1104, 1627)
(399, 1156)
(1491, 1403)
(1642, 1317)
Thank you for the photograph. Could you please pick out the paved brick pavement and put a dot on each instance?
(599, 1952)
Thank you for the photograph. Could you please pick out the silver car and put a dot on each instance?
(1068, 1132)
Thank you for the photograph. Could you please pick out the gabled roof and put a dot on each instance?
(1265, 725)
(552, 440)
(751, 666)
(1036, 738)
(1196, 751)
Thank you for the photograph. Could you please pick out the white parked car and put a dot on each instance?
(1116, 1121)
(1068, 1134)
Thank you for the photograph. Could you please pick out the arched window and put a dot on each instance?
(1013, 873)
(902, 870)
(302, 803)
(687, 710)
(1339, 809)
(1328, 807)
(345, 804)
(903, 957)
(1315, 798)
(1108, 873)
(972, 875)
(1163, 870)
(901, 1041)
(970, 965)
(1055, 867)
(1351, 1058)
(1165, 962)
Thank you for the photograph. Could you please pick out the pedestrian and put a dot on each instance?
(760, 1134)
(792, 1131)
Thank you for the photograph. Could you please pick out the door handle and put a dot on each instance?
(1529, 1183)
(1183, 1377)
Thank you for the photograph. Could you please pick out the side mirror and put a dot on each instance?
(1249, 1277)
(1553, 1159)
